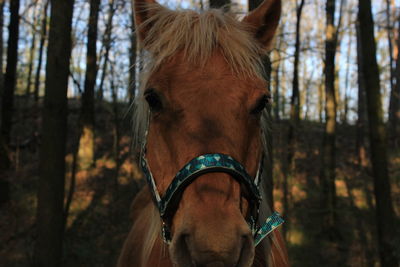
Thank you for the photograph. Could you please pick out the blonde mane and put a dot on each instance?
(198, 35)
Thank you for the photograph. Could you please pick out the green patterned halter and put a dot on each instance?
(209, 163)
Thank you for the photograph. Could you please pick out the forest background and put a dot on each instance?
(65, 143)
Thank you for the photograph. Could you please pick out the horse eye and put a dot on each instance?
(153, 99)
(260, 105)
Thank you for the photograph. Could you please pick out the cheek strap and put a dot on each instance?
(270, 225)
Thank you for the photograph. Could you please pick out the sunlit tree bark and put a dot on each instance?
(116, 124)
(328, 151)
(327, 175)
(377, 133)
(276, 67)
(50, 212)
(361, 108)
(390, 42)
(307, 91)
(394, 102)
(276, 93)
(294, 112)
(320, 103)
(32, 51)
(86, 142)
(283, 90)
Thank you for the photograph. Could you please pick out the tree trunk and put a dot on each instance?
(41, 48)
(307, 86)
(321, 100)
(295, 99)
(328, 149)
(394, 104)
(294, 113)
(338, 58)
(347, 82)
(276, 92)
(11, 72)
(276, 58)
(377, 133)
(50, 212)
(361, 108)
(32, 51)
(116, 128)
(86, 142)
(283, 90)
(328, 157)
(4, 157)
(107, 46)
(390, 43)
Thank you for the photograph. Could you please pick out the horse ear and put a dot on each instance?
(264, 20)
(143, 11)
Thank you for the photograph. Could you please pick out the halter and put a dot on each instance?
(209, 163)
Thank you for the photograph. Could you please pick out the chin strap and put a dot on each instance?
(270, 224)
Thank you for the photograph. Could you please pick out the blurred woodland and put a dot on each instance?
(68, 175)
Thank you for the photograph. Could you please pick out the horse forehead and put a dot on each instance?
(215, 79)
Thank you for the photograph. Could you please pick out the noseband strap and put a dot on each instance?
(210, 163)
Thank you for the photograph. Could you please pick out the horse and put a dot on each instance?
(200, 122)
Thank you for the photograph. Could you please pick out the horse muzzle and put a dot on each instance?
(210, 243)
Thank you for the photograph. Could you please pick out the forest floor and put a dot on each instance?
(98, 220)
